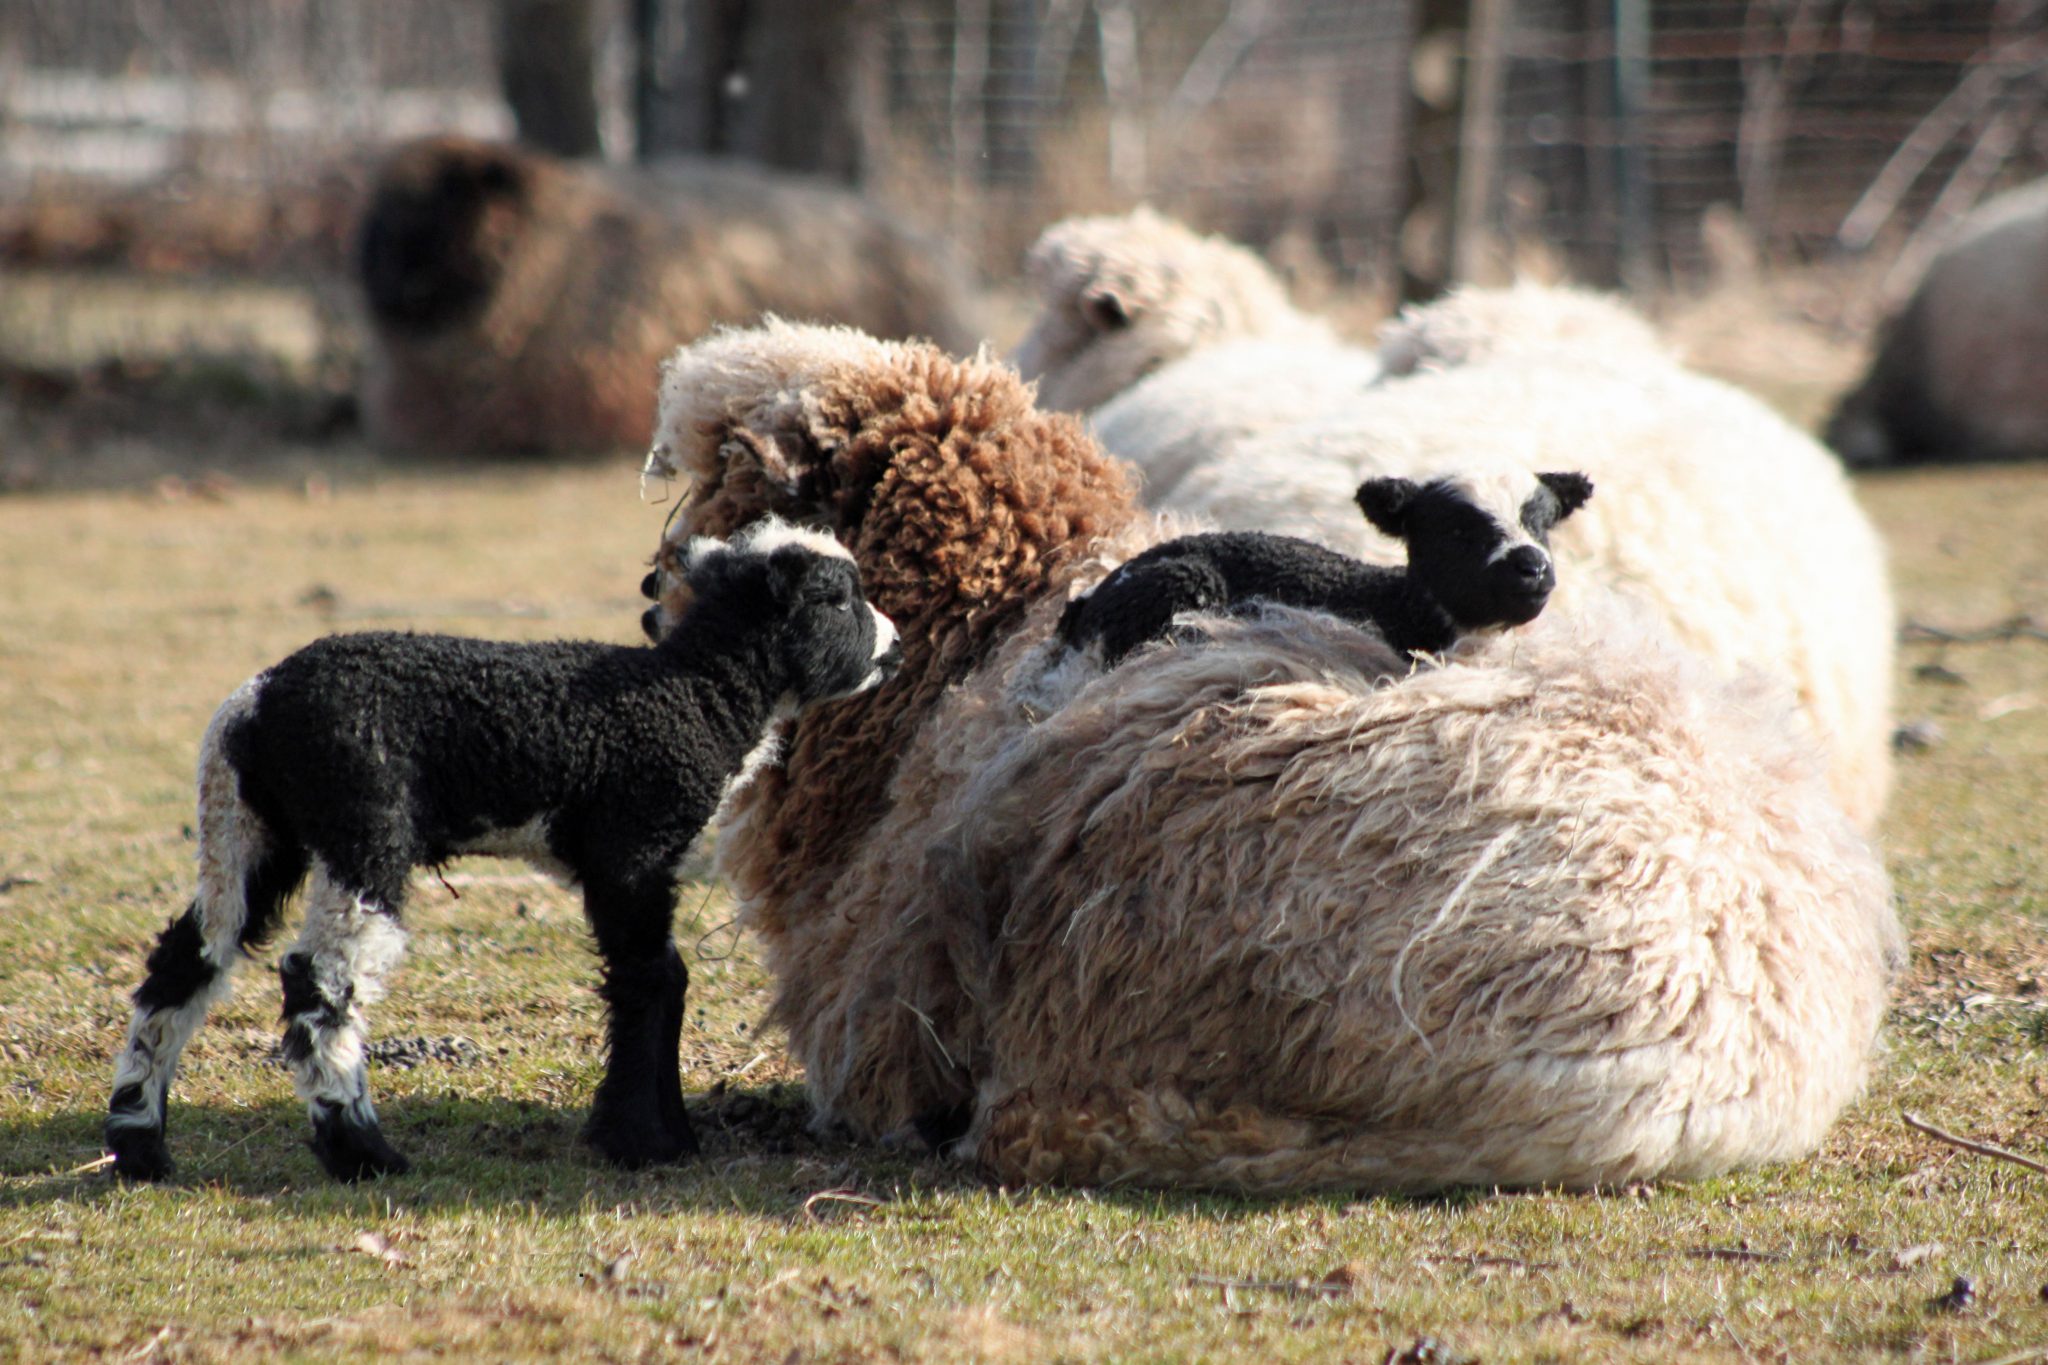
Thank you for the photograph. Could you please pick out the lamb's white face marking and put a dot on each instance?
(885, 640)
(772, 533)
(1502, 497)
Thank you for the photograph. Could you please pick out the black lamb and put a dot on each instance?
(1478, 559)
(362, 757)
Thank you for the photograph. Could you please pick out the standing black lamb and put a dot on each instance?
(1470, 568)
(362, 757)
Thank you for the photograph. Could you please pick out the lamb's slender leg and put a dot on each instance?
(668, 1049)
(637, 1117)
(351, 942)
(245, 874)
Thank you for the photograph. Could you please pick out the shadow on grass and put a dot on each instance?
(758, 1150)
(759, 1156)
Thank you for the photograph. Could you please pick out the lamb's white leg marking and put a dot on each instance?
(335, 970)
(173, 1002)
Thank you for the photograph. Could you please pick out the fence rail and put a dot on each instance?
(1366, 139)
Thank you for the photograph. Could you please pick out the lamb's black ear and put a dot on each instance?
(1571, 491)
(1385, 502)
(790, 571)
(1106, 309)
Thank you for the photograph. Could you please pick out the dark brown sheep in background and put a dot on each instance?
(1961, 373)
(519, 304)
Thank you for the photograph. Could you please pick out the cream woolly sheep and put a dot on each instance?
(1734, 528)
(1521, 320)
(1265, 913)
(1207, 403)
(1737, 531)
(1120, 296)
(1178, 418)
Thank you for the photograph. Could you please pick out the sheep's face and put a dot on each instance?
(1480, 546)
(433, 240)
(800, 592)
(1090, 343)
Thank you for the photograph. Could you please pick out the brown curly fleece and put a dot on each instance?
(963, 506)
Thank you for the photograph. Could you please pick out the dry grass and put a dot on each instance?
(128, 616)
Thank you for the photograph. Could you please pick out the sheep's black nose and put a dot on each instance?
(650, 586)
(1532, 567)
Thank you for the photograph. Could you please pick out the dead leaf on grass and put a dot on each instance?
(2010, 704)
(1914, 1255)
(853, 1197)
(1337, 1283)
(377, 1245)
(1426, 1351)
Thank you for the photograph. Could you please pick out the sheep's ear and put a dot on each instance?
(789, 571)
(1385, 502)
(1106, 309)
(1571, 491)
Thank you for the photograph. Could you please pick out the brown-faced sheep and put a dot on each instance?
(1962, 372)
(1119, 296)
(520, 304)
(1271, 912)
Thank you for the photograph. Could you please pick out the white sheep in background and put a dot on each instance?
(1177, 419)
(1530, 320)
(1271, 911)
(1736, 530)
(1120, 296)
(361, 757)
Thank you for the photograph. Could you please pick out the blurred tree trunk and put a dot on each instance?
(547, 62)
(774, 81)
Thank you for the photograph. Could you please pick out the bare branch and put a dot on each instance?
(1920, 1125)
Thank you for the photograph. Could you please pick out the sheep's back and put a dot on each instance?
(603, 271)
(1566, 912)
(1737, 531)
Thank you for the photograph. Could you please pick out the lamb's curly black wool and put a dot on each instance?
(361, 757)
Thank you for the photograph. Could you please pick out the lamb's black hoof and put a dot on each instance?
(139, 1153)
(635, 1146)
(353, 1152)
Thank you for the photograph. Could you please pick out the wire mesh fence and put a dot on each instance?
(1366, 139)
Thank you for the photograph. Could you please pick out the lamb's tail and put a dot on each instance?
(245, 874)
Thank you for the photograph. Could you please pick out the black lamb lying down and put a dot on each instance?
(362, 757)
(1469, 568)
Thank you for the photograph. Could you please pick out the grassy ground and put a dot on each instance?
(125, 617)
